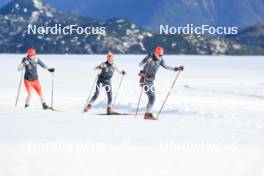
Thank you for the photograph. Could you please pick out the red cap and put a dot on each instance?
(159, 51)
(110, 57)
(31, 52)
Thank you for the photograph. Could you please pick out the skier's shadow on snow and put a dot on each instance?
(226, 92)
(130, 108)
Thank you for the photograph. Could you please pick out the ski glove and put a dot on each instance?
(181, 68)
(99, 67)
(142, 74)
(123, 72)
(51, 70)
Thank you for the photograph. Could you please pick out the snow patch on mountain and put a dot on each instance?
(38, 4)
(17, 6)
(34, 17)
(44, 8)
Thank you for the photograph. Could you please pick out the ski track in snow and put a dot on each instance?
(214, 91)
(131, 108)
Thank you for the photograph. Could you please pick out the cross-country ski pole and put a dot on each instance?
(119, 87)
(90, 94)
(52, 90)
(19, 87)
(141, 92)
(139, 100)
(167, 96)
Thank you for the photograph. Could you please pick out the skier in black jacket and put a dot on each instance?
(30, 63)
(104, 80)
(150, 65)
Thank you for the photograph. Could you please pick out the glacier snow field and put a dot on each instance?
(212, 123)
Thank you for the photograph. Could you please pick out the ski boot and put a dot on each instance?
(45, 106)
(109, 111)
(87, 108)
(149, 116)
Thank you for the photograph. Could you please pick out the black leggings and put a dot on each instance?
(108, 89)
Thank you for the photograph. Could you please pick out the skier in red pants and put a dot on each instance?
(30, 63)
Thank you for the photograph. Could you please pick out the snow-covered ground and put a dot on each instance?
(212, 124)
